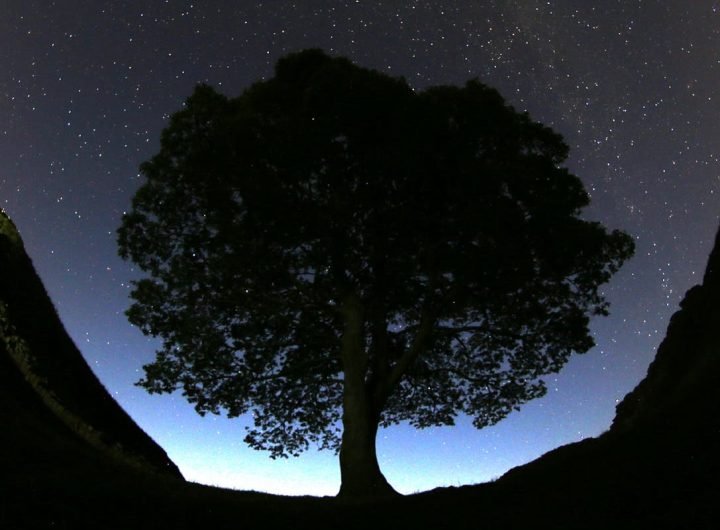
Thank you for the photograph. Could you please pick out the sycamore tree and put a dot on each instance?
(334, 252)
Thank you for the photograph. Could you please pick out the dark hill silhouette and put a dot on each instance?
(659, 462)
(67, 461)
(40, 365)
(682, 385)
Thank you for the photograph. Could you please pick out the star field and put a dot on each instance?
(86, 88)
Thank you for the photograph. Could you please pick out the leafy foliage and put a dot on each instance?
(441, 220)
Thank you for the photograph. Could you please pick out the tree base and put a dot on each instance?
(376, 489)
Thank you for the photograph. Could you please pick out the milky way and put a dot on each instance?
(87, 86)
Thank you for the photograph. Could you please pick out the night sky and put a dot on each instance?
(86, 86)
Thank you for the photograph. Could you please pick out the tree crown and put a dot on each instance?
(442, 221)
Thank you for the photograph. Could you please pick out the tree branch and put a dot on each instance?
(420, 342)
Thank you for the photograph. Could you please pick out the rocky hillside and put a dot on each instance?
(46, 385)
(682, 387)
(658, 464)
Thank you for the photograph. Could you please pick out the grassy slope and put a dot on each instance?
(40, 346)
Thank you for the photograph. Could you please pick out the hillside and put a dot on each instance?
(659, 461)
(44, 381)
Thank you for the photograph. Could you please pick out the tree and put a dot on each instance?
(333, 249)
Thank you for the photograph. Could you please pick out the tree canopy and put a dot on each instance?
(333, 251)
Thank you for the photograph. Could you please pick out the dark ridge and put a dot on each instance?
(658, 463)
(35, 342)
(682, 387)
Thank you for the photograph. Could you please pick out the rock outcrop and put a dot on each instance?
(48, 393)
(682, 389)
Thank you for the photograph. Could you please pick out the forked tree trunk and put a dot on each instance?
(359, 470)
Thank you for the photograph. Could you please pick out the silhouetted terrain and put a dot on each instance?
(36, 343)
(71, 458)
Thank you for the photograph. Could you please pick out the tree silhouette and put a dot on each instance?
(333, 252)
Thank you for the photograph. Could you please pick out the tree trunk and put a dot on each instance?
(359, 470)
